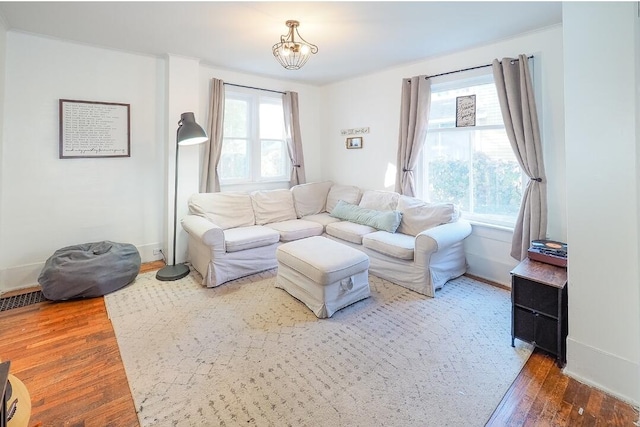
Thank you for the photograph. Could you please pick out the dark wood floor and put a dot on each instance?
(67, 356)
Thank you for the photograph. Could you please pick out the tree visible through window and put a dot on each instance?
(473, 167)
(253, 147)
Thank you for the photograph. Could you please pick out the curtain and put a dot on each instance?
(414, 119)
(517, 103)
(210, 180)
(293, 138)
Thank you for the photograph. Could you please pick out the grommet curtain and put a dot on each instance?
(414, 120)
(293, 137)
(210, 180)
(517, 103)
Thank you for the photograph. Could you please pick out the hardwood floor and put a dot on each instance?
(67, 356)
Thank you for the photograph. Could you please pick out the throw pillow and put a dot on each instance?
(381, 220)
(418, 215)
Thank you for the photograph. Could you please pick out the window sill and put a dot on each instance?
(477, 223)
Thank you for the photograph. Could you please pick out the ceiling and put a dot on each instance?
(354, 38)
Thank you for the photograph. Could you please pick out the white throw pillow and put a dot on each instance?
(273, 206)
(379, 200)
(226, 210)
(418, 215)
(310, 198)
(348, 193)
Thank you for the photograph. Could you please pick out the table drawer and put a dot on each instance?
(536, 329)
(536, 296)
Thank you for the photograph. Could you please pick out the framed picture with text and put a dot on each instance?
(94, 129)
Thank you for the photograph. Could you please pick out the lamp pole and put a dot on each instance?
(188, 133)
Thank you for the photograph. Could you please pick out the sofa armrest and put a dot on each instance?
(204, 231)
(443, 235)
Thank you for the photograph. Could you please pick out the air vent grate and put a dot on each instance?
(23, 300)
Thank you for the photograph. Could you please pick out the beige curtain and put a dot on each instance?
(293, 138)
(515, 92)
(414, 119)
(210, 180)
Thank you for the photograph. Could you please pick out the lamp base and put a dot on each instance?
(170, 273)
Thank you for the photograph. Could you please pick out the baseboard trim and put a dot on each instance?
(488, 282)
(605, 371)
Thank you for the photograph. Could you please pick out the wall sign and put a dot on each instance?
(94, 129)
(354, 131)
(465, 111)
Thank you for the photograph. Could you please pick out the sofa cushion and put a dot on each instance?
(255, 236)
(311, 198)
(226, 210)
(321, 218)
(379, 200)
(382, 220)
(392, 244)
(417, 215)
(296, 229)
(349, 231)
(272, 206)
(348, 193)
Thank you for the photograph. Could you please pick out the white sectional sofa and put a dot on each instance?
(409, 242)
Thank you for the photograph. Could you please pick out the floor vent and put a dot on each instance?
(23, 300)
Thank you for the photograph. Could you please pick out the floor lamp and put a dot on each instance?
(189, 133)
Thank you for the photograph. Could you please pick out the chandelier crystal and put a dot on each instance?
(293, 51)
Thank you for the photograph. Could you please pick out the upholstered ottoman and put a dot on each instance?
(325, 275)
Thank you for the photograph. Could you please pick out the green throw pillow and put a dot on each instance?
(382, 220)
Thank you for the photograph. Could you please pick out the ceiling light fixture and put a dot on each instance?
(293, 51)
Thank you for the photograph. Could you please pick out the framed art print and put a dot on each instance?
(94, 129)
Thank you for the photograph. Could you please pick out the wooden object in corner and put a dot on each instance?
(539, 307)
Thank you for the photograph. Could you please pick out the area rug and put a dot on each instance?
(247, 353)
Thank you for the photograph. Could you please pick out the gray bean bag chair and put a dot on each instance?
(89, 270)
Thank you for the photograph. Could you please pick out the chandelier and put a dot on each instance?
(293, 51)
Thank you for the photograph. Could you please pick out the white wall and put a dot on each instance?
(309, 100)
(182, 95)
(374, 101)
(601, 50)
(3, 61)
(48, 203)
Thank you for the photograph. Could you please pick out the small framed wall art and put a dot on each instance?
(465, 111)
(94, 129)
(355, 142)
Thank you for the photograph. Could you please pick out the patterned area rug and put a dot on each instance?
(246, 353)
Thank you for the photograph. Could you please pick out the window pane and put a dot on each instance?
(236, 118)
(272, 160)
(497, 177)
(448, 155)
(234, 160)
(473, 167)
(271, 120)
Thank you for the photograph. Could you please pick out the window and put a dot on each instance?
(253, 146)
(473, 167)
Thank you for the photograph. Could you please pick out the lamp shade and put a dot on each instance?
(190, 132)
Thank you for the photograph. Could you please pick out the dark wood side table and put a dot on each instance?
(539, 307)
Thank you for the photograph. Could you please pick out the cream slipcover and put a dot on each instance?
(422, 255)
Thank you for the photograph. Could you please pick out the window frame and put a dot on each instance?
(422, 182)
(255, 98)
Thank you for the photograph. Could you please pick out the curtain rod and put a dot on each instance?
(256, 88)
(468, 69)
